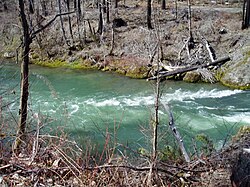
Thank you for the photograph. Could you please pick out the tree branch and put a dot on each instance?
(33, 35)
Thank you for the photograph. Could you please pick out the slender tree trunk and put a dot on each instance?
(149, 12)
(163, 5)
(69, 19)
(191, 39)
(31, 6)
(107, 12)
(176, 9)
(100, 25)
(61, 21)
(247, 14)
(190, 20)
(104, 6)
(24, 79)
(116, 3)
(79, 10)
(78, 17)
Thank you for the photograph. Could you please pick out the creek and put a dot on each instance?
(88, 104)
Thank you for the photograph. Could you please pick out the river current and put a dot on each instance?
(88, 104)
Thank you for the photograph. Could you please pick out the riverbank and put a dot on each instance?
(58, 161)
(130, 48)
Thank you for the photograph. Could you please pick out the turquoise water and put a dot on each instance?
(88, 104)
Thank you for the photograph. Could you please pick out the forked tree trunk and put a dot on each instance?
(24, 79)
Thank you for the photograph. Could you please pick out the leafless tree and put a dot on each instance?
(26, 41)
(27, 37)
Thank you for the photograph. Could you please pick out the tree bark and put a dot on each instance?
(23, 111)
(107, 11)
(116, 3)
(100, 25)
(69, 19)
(31, 6)
(149, 12)
(61, 21)
(163, 5)
(246, 14)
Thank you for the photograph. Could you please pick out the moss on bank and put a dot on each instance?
(236, 74)
(78, 64)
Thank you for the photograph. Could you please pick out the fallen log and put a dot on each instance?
(187, 69)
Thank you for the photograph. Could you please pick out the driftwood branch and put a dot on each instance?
(187, 69)
(176, 133)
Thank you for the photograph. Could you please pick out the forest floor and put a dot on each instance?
(56, 161)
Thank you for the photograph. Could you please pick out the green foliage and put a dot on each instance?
(143, 151)
(168, 153)
(207, 145)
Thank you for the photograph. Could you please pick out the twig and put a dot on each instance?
(6, 166)
(130, 167)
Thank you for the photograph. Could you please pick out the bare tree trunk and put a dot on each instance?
(61, 21)
(100, 25)
(78, 18)
(79, 10)
(31, 6)
(107, 11)
(69, 19)
(104, 6)
(163, 5)
(246, 14)
(155, 123)
(190, 22)
(176, 9)
(149, 12)
(116, 3)
(23, 111)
